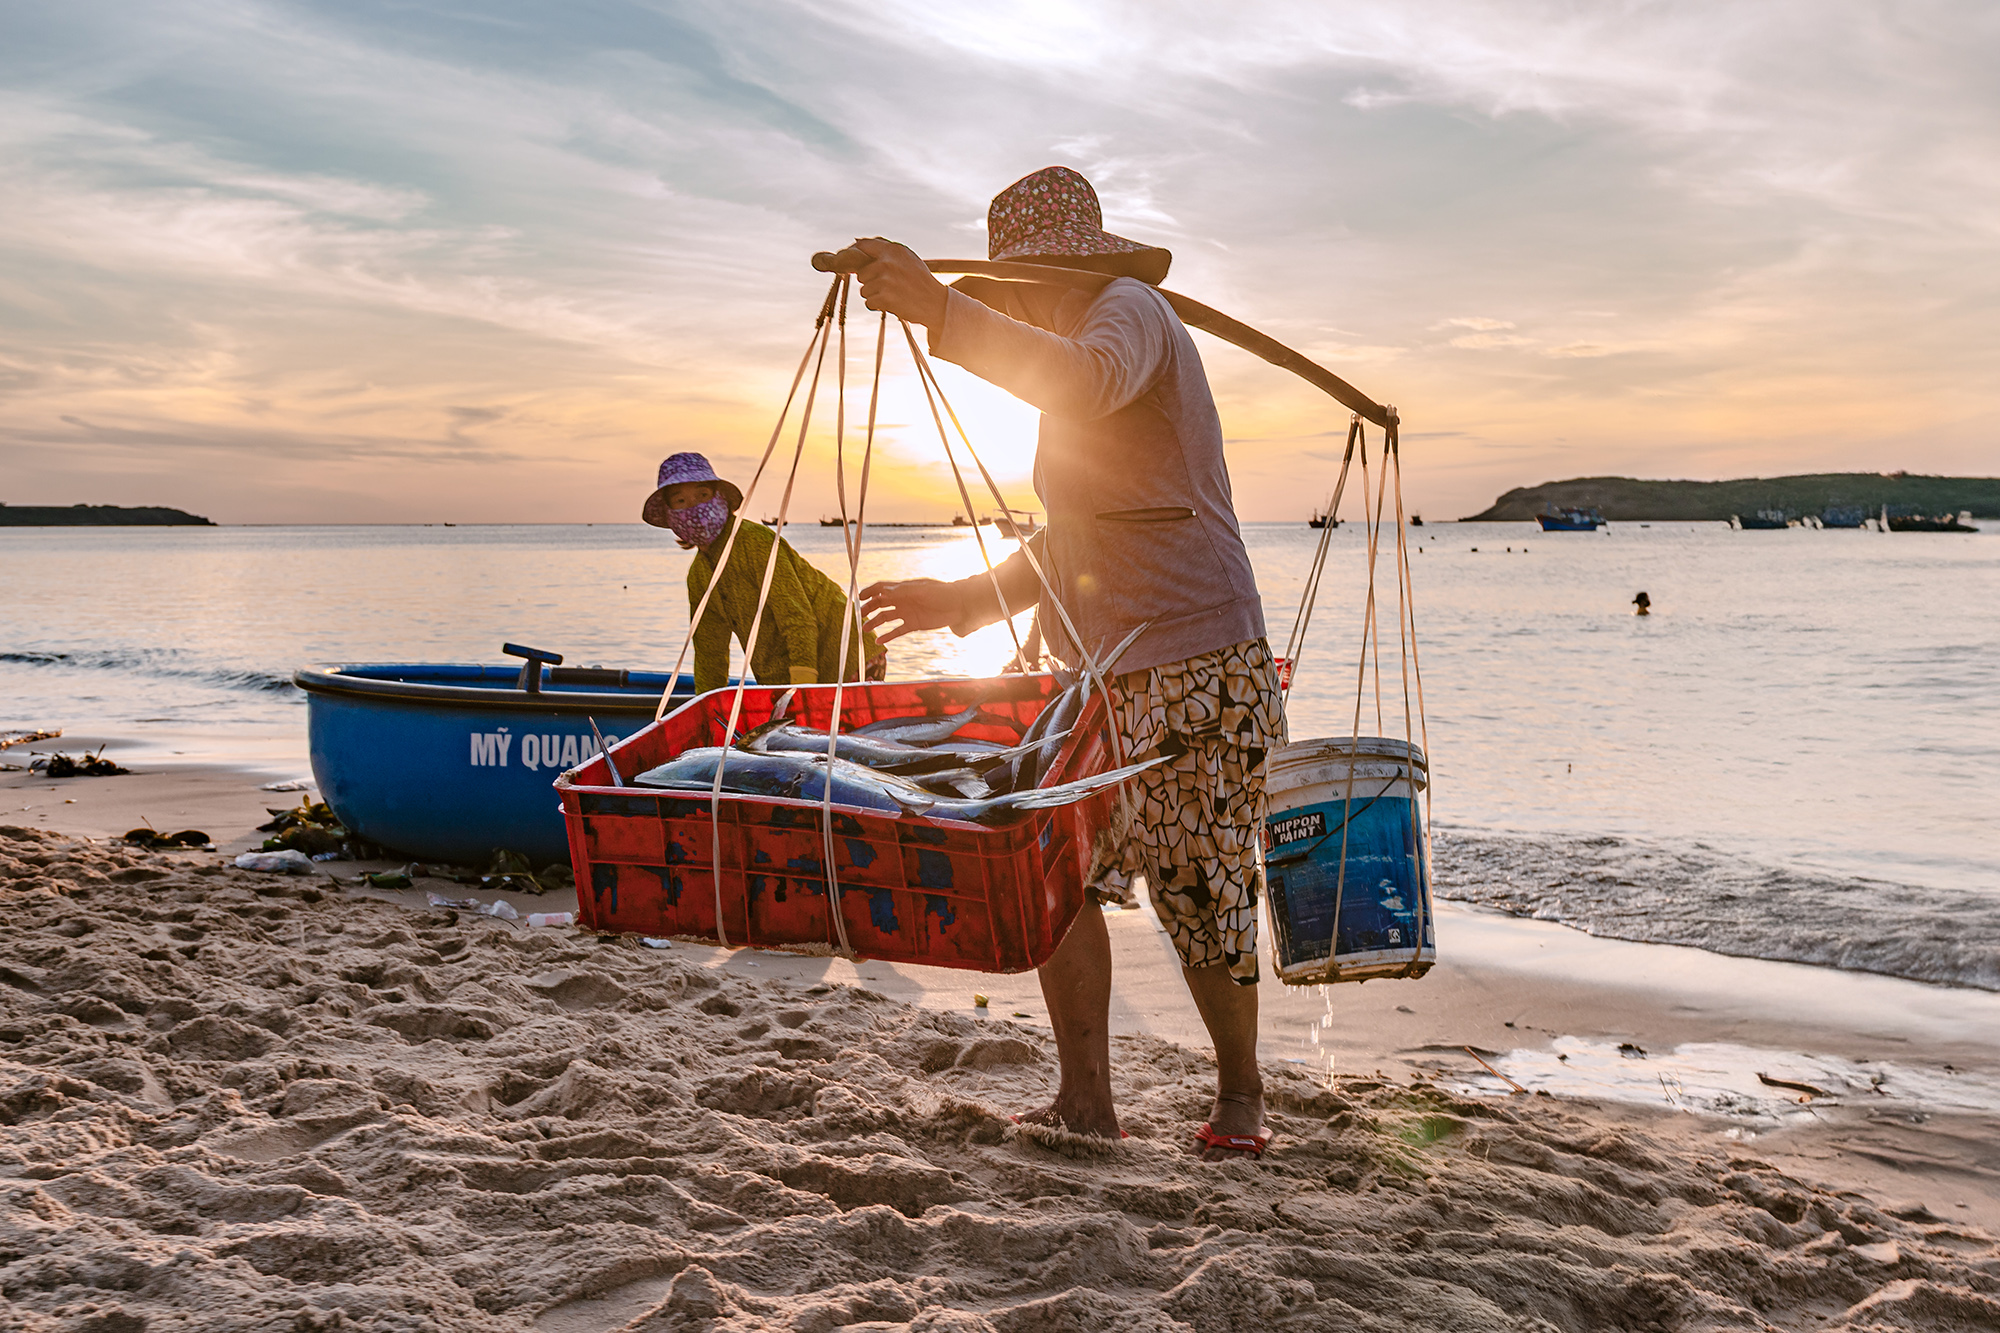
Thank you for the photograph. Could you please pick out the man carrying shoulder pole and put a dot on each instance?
(1141, 531)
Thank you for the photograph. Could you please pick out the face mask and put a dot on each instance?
(699, 524)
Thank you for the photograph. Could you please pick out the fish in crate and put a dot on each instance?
(961, 821)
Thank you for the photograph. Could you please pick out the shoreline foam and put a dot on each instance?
(1654, 892)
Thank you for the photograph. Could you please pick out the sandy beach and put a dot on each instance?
(236, 1100)
(1575, 423)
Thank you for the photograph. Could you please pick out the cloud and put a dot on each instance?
(1367, 99)
(406, 242)
(149, 445)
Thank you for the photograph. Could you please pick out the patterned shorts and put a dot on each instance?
(1190, 825)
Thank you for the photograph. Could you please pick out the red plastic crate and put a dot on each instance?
(912, 889)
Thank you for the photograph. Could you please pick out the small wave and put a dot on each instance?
(153, 662)
(1631, 889)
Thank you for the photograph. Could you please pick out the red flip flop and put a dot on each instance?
(1254, 1144)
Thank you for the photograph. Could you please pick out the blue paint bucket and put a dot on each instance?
(1349, 803)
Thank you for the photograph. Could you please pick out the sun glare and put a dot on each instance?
(946, 555)
(1001, 427)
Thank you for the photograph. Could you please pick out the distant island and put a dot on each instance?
(96, 516)
(1629, 498)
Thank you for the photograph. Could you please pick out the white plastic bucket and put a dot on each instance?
(1382, 901)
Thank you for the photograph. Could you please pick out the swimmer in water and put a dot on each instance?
(1644, 603)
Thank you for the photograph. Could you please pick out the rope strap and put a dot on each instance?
(1416, 735)
(832, 321)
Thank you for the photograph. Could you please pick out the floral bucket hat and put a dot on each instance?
(686, 467)
(1053, 217)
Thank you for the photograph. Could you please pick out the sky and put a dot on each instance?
(490, 260)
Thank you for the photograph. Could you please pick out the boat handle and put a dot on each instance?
(531, 669)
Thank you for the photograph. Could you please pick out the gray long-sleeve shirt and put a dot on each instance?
(1129, 468)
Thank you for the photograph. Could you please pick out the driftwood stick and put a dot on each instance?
(1491, 1070)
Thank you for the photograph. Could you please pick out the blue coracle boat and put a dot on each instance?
(448, 762)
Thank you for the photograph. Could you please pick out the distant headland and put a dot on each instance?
(96, 516)
(1629, 498)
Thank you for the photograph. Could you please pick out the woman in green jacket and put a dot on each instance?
(800, 640)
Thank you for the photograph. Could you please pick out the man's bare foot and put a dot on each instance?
(1233, 1114)
(1100, 1122)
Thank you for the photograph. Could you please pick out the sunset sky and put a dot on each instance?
(483, 261)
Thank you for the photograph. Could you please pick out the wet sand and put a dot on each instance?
(278, 1097)
(223, 801)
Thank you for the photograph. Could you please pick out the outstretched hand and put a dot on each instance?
(898, 282)
(918, 604)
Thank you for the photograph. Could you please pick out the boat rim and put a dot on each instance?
(334, 680)
(1320, 749)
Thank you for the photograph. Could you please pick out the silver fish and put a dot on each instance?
(973, 755)
(1040, 725)
(921, 730)
(793, 776)
(881, 755)
(1068, 706)
(1010, 777)
(994, 809)
(781, 735)
(959, 782)
(966, 745)
(1059, 716)
(802, 777)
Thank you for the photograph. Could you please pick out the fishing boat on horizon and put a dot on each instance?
(1915, 522)
(1570, 520)
(1019, 523)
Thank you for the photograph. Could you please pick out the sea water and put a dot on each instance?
(1796, 756)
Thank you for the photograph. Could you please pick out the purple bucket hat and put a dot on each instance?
(1053, 217)
(680, 468)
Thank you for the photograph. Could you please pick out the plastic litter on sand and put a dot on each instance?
(287, 862)
(552, 918)
(501, 908)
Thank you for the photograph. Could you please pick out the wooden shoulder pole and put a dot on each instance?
(1192, 312)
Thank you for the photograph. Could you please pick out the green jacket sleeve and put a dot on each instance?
(711, 636)
(792, 608)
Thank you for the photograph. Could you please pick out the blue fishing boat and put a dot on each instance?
(1570, 520)
(451, 762)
